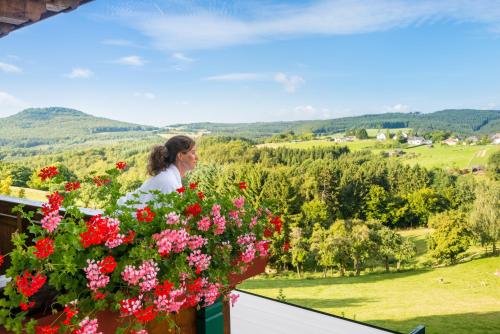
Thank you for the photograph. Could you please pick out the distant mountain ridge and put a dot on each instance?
(462, 121)
(47, 126)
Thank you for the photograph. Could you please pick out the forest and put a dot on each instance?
(341, 210)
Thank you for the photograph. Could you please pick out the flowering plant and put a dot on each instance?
(176, 252)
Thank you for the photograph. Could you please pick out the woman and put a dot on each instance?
(167, 165)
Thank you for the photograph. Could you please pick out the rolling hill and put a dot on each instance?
(48, 126)
(462, 121)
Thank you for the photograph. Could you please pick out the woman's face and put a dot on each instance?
(189, 158)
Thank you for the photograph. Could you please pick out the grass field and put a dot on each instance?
(460, 156)
(460, 299)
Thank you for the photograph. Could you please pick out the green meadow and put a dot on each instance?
(460, 156)
(459, 299)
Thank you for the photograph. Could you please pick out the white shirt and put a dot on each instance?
(166, 182)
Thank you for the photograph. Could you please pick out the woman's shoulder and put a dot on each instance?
(169, 177)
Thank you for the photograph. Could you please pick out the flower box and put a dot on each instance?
(155, 264)
(256, 267)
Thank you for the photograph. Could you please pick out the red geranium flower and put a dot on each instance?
(193, 185)
(55, 200)
(1, 259)
(268, 233)
(164, 289)
(243, 185)
(129, 238)
(146, 315)
(145, 215)
(121, 165)
(99, 230)
(107, 265)
(181, 190)
(26, 307)
(201, 196)
(100, 181)
(28, 285)
(48, 172)
(71, 186)
(194, 210)
(98, 295)
(277, 222)
(44, 247)
(46, 329)
(196, 286)
(286, 247)
(70, 313)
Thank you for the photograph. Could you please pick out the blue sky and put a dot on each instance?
(162, 62)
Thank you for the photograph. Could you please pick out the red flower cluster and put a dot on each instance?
(70, 313)
(55, 201)
(107, 265)
(146, 315)
(98, 295)
(100, 181)
(193, 185)
(145, 215)
(193, 210)
(129, 238)
(286, 247)
(243, 185)
(164, 289)
(277, 222)
(180, 190)
(48, 172)
(1, 259)
(98, 231)
(44, 247)
(121, 165)
(28, 285)
(26, 307)
(71, 186)
(46, 329)
(201, 196)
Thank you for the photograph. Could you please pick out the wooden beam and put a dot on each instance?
(15, 14)
(19, 12)
(34, 9)
(5, 28)
(11, 12)
(60, 5)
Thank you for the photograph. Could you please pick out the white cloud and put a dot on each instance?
(117, 42)
(237, 77)
(193, 25)
(9, 68)
(289, 82)
(310, 112)
(145, 95)
(179, 56)
(399, 108)
(9, 104)
(131, 60)
(79, 73)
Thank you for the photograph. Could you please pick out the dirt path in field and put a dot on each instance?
(478, 154)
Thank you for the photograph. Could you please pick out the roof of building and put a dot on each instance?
(20, 13)
(256, 314)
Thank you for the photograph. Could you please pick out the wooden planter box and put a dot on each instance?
(214, 319)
